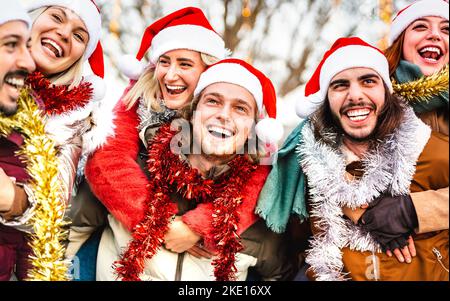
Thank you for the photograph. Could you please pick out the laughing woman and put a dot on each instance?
(418, 62)
(419, 48)
(181, 45)
(64, 35)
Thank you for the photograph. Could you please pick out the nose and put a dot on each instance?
(172, 73)
(224, 113)
(64, 31)
(25, 61)
(355, 93)
(434, 34)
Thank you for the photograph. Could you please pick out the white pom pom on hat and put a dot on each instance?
(98, 86)
(344, 54)
(238, 72)
(414, 11)
(186, 28)
(130, 66)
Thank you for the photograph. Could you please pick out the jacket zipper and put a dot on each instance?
(439, 258)
(179, 269)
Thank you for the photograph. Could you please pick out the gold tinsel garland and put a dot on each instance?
(424, 88)
(39, 155)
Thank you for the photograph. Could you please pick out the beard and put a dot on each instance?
(340, 129)
(8, 110)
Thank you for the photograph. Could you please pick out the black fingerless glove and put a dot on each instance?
(390, 220)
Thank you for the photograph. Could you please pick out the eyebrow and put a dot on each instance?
(61, 10)
(426, 20)
(370, 75)
(181, 59)
(9, 36)
(65, 16)
(239, 100)
(218, 95)
(339, 81)
(362, 77)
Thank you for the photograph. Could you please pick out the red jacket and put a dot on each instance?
(120, 184)
(9, 161)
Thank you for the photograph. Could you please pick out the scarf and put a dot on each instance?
(172, 175)
(284, 190)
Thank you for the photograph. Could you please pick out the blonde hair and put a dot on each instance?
(73, 75)
(147, 86)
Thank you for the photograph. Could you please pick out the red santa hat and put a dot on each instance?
(344, 54)
(414, 11)
(186, 28)
(89, 13)
(13, 11)
(238, 72)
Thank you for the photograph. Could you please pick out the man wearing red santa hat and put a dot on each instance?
(359, 148)
(210, 182)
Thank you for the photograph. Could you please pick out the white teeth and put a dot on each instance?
(358, 118)
(17, 82)
(221, 131)
(51, 42)
(357, 113)
(431, 49)
(175, 87)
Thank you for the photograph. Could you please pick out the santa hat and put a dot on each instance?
(13, 11)
(186, 28)
(89, 13)
(344, 54)
(238, 72)
(414, 11)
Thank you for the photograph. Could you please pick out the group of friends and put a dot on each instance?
(185, 178)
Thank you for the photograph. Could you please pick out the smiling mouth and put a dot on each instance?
(220, 132)
(175, 90)
(357, 114)
(16, 82)
(53, 47)
(431, 54)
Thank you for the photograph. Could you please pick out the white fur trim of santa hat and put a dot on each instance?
(351, 56)
(13, 11)
(190, 37)
(86, 10)
(233, 74)
(417, 10)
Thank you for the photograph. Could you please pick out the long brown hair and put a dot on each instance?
(389, 120)
(394, 53)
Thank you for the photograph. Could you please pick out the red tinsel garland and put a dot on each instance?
(59, 99)
(170, 174)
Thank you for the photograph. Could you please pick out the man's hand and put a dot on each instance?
(406, 253)
(180, 238)
(7, 192)
(390, 221)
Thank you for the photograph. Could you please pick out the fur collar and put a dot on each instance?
(389, 168)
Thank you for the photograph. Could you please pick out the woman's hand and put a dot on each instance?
(180, 238)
